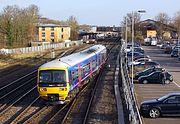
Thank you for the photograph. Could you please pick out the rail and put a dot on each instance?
(128, 90)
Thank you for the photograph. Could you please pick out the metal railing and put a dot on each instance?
(39, 48)
(128, 90)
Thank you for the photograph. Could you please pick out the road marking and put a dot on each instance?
(176, 84)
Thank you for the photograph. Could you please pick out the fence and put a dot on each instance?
(128, 90)
(39, 48)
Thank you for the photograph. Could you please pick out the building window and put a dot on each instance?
(52, 34)
(52, 40)
(62, 36)
(43, 34)
(43, 39)
(52, 28)
(43, 28)
(62, 30)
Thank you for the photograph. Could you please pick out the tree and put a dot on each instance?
(162, 20)
(137, 19)
(177, 21)
(18, 25)
(72, 22)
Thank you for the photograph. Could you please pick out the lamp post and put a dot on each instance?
(132, 75)
(126, 39)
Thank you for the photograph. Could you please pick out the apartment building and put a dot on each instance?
(53, 33)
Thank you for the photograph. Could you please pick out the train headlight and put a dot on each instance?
(61, 89)
(43, 89)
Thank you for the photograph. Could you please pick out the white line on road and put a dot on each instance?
(176, 84)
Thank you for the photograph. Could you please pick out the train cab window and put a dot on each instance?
(45, 77)
(52, 76)
(59, 76)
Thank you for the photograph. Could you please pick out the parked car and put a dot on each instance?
(141, 57)
(136, 54)
(155, 77)
(139, 49)
(174, 53)
(143, 60)
(138, 61)
(147, 72)
(167, 104)
(142, 66)
(168, 49)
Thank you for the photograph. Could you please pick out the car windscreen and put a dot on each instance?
(163, 97)
(52, 76)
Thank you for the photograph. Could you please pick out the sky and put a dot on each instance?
(97, 12)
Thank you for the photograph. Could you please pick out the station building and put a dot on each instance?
(151, 28)
(53, 33)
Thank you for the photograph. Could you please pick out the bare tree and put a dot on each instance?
(177, 21)
(162, 20)
(72, 22)
(18, 25)
(137, 19)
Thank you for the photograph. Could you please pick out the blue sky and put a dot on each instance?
(97, 12)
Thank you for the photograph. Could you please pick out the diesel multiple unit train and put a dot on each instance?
(60, 80)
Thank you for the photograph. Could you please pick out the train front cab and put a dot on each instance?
(53, 85)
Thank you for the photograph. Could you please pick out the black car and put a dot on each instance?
(141, 57)
(168, 104)
(168, 49)
(174, 53)
(155, 77)
(147, 71)
(139, 49)
(129, 54)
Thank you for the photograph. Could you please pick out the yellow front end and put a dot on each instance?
(53, 92)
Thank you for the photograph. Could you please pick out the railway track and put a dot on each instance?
(11, 98)
(35, 111)
(30, 64)
(80, 107)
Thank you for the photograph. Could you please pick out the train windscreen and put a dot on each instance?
(52, 76)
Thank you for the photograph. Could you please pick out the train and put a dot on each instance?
(61, 79)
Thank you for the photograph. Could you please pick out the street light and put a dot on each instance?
(126, 39)
(139, 11)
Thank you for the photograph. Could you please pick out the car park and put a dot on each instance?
(155, 77)
(147, 72)
(165, 105)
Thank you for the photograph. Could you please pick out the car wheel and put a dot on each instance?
(154, 113)
(167, 81)
(145, 82)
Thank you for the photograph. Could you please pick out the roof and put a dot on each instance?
(51, 25)
(74, 59)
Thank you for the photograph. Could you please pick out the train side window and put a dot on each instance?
(93, 64)
(74, 74)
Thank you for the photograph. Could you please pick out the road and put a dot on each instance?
(153, 91)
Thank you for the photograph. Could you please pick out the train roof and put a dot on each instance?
(74, 58)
